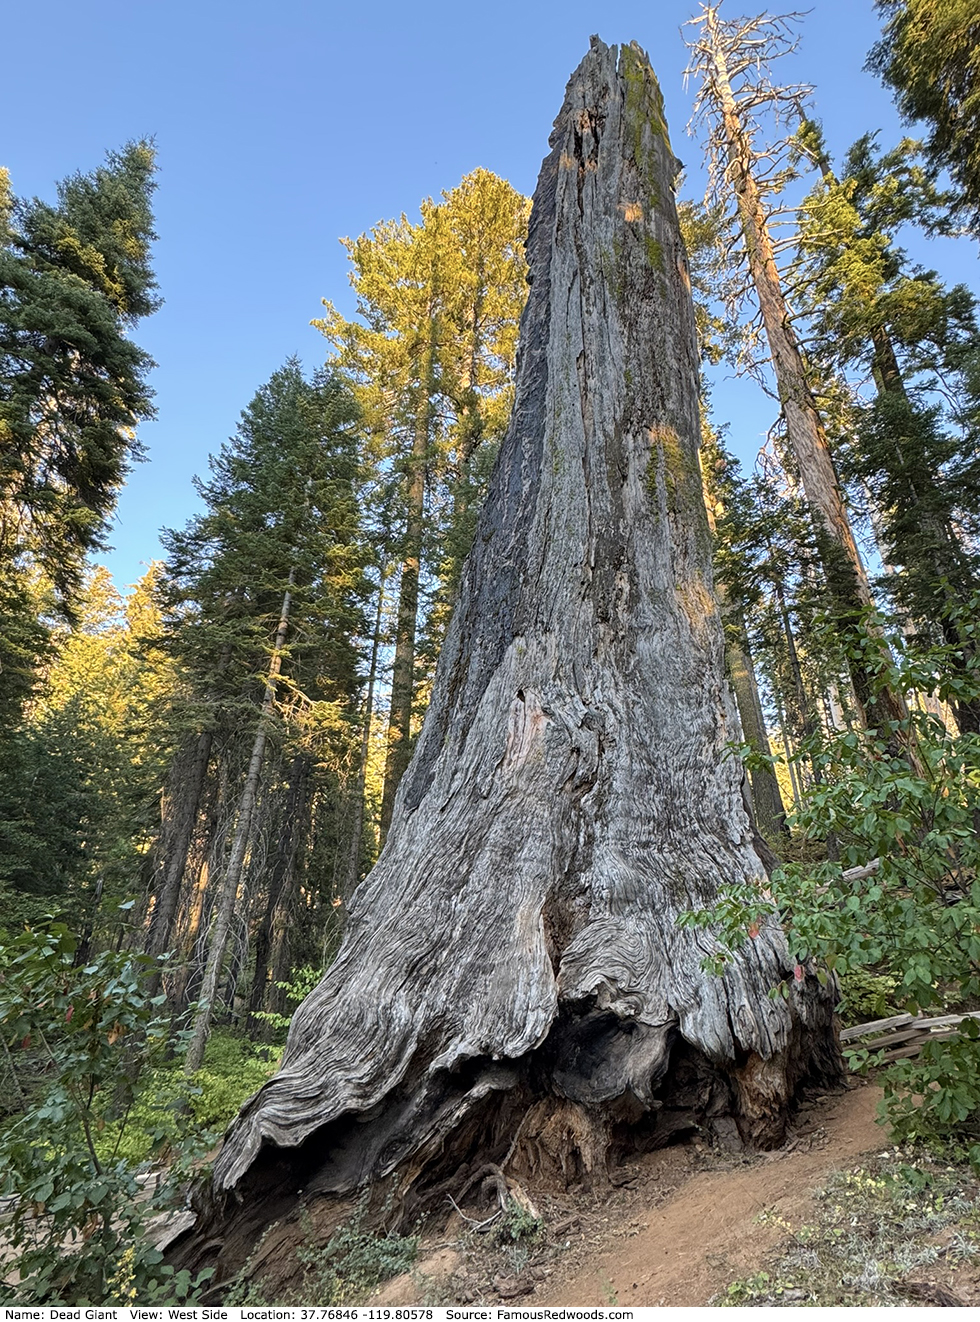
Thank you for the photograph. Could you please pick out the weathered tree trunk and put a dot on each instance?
(513, 984)
(231, 880)
(175, 846)
(292, 827)
(767, 801)
(845, 572)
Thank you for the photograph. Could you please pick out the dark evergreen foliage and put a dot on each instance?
(928, 55)
(74, 278)
(281, 524)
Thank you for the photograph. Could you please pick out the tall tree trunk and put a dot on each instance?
(239, 843)
(294, 917)
(768, 809)
(291, 830)
(806, 721)
(174, 849)
(204, 862)
(176, 839)
(789, 752)
(513, 984)
(406, 627)
(353, 869)
(767, 802)
(845, 572)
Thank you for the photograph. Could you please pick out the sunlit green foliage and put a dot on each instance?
(78, 1222)
(74, 279)
(929, 54)
(81, 773)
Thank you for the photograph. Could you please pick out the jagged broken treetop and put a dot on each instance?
(513, 978)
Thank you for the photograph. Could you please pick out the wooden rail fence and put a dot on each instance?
(904, 1035)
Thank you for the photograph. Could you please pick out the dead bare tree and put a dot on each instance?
(513, 985)
(732, 59)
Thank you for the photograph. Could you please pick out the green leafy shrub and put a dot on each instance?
(865, 995)
(908, 934)
(518, 1224)
(173, 1117)
(345, 1270)
(77, 1227)
(168, 1107)
(935, 1098)
(297, 989)
(233, 1069)
(354, 1262)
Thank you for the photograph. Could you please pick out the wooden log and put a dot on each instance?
(875, 1026)
(914, 1048)
(859, 873)
(903, 1036)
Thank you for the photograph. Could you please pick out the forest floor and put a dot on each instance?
(837, 1216)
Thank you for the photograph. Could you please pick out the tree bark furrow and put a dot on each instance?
(516, 947)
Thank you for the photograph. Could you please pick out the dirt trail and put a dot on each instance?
(680, 1227)
(705, 1233)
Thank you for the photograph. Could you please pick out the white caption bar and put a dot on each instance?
(271, 1313)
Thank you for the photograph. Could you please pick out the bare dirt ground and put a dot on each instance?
(680, 1226)
(706, 1233)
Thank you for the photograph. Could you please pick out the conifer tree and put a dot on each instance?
(83, 769)
(872, 311)
(928, 56)
(733, 60)
(265, 593)
(431, 358)
(75, 278)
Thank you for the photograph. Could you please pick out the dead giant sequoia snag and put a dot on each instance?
(513, 980)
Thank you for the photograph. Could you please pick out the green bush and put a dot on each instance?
(168, 1109)
(233, 1070)
(865, 995)
(297, 989)
(77, 1228)
(345, 1270)
(935, 1098)
(908, 934)
(518, 1224)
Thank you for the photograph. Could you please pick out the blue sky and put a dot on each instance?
(281, 127)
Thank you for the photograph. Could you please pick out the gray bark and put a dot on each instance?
(174, 848)
(767, 801)
(232, 879)
(279, 873)
(513, 984)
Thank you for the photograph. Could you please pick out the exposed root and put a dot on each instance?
(507, 1145)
